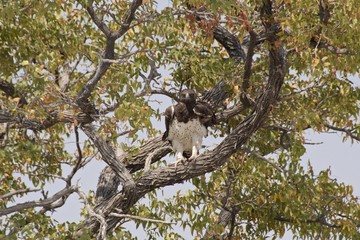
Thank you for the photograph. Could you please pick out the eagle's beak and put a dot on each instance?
(187, 96)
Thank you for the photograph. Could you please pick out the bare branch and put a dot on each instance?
(114, 106)
(17, 192)
(39, 203)
(344, 130)
(99, 23)
(139, 218)
(79, 160)
(265, 159)
(122, 58)
(55, 117)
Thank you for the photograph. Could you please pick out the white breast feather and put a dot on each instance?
(186, 135)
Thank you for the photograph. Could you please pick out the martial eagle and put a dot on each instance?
(186, 125)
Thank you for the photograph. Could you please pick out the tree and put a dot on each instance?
(100, 67)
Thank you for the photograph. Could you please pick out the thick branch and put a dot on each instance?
(230, 43)
(99, 217)
(109, 156)
(249, 60)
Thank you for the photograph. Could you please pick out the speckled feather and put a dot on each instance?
(186, 124)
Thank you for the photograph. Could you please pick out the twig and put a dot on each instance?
(313, 143)
(140, 218)
(16, 192)
(122, 58)
(347, 131)
(78, 163)
(264, 159)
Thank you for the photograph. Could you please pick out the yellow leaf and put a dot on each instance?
(16, 99)
(236, 88)
(76, 123)
(24, 63)
(316, 62)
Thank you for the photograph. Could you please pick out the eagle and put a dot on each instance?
(186, 125)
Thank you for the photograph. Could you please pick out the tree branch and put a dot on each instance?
(344, 130)
(128, 19)
(99, 23)
(170, 175)
(264, 159)
(38, 203)
(55, 117)
(317, 220)
(103, 66)
(245, 99)
(17, 192)
(230, 42)
(78, 162)
(109, 156)
(152, 155)
(139, 218)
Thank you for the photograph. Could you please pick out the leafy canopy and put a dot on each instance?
(49, 50)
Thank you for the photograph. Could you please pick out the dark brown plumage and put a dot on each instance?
(186, 124)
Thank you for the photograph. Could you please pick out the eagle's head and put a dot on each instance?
(187, 96)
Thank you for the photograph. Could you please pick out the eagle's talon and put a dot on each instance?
(193, 157)
(179, 160)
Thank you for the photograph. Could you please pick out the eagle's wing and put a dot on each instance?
(169, 115)
(205, 112)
